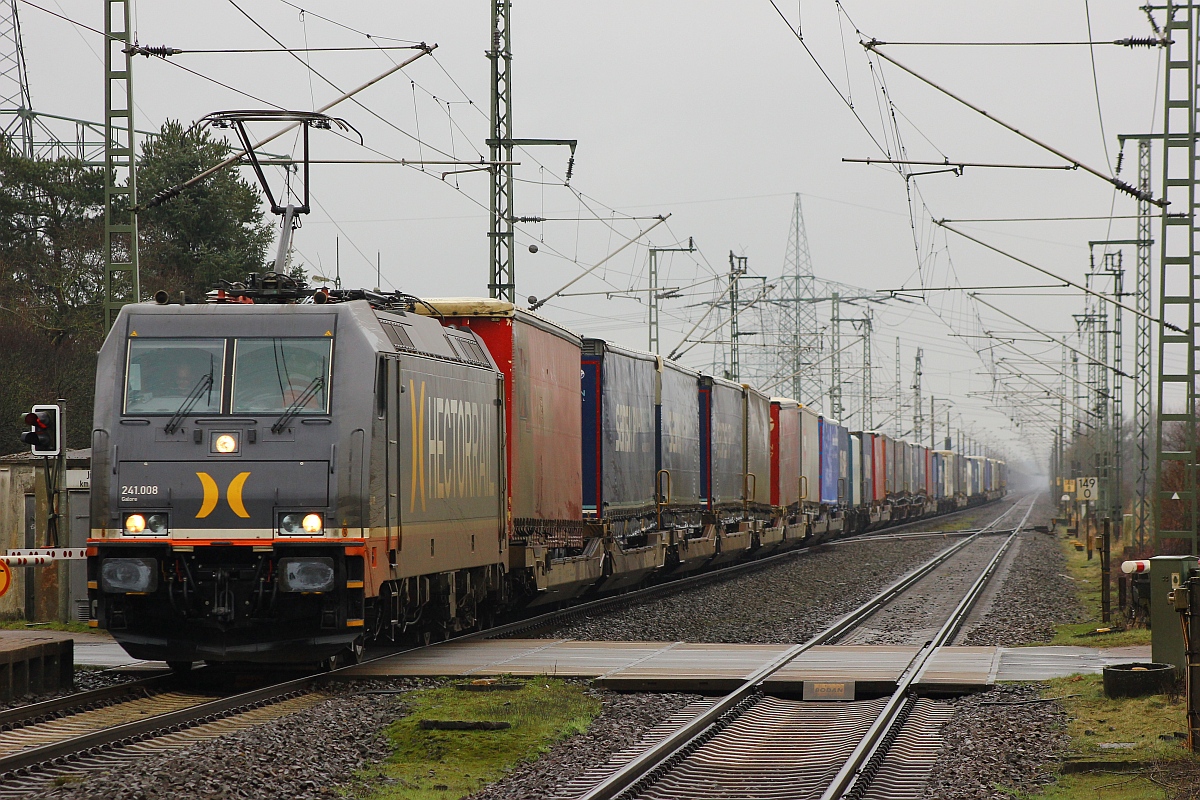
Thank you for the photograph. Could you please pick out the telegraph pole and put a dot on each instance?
(121, 283)
(654, 298)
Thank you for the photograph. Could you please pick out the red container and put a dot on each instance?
(542, 386)
(785, 452)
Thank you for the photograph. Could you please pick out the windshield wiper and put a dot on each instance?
(292, 410)
(204, 384)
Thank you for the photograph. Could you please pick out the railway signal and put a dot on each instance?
(45, 430)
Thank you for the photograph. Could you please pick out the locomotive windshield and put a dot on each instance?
(164, 374)
(278, 375)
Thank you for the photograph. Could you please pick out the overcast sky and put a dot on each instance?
(710, 112)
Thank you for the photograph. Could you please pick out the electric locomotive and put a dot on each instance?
(279, 474)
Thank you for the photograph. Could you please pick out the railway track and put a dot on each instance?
(747, 744)
(120, 724)
(528, 625)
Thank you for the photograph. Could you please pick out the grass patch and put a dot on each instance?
(1139, 720)
(447, 765)
(68, 627)
(1084, 575)
(1136, 720)
(1106, 785)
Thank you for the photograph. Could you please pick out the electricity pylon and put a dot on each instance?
(799, 327)
(1176, 496)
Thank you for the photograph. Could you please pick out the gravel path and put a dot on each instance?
(998, 744)
(1033, 596)
(309, 755)
(625, 718)
(785, 603)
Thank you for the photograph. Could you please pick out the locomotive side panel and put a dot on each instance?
(449, 481)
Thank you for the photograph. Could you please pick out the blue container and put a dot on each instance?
(831, 461)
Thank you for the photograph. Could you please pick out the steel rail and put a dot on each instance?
(855, 775)
(22, 761)
(644, 767)
(673, 585)
(55, 707)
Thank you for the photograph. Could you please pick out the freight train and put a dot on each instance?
(282, 474)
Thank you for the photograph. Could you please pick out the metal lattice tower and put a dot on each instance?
(899, 394)
(1176, 441)
(836, 409)
(1117, 406)
(918, 418)
(799, 326)
(121, 284)
(501, 278)
(737, 269)
(1141, 386)
(868, 403)
(16, 122)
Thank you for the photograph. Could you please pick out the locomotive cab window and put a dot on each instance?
(274, 376)
(165, 376)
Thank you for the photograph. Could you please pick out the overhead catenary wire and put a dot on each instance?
(1122, 185)
(1044, 271)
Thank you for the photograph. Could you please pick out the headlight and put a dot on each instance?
(299, 523)
(306, 574)
(135, 523)
(118, 575)
(225, 443)
(157, 523)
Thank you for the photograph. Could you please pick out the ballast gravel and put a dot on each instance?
(309, 755)
(999, 743)
(1036, 594)
(621, 724)
(785, 603)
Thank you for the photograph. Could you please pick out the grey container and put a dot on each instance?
(618, 431)
(677, 426)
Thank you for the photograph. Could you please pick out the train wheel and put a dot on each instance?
(180, 667)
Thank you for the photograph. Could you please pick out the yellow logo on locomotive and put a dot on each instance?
(233, 494)
(453, 448)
